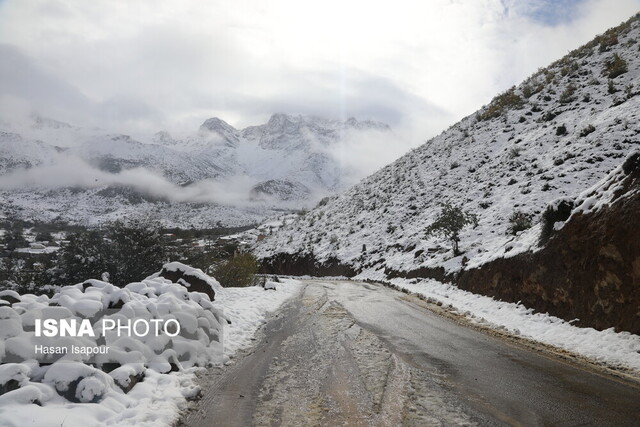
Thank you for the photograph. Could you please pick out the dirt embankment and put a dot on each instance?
(303, 265)
(590, 269)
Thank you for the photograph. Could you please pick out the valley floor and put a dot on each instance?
(348, 353)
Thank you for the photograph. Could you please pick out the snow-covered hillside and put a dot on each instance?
(553, 136)
(50, 169)
(17, 152)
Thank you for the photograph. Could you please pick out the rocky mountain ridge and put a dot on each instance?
(285, 163)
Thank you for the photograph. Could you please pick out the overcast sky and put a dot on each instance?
(140, 66)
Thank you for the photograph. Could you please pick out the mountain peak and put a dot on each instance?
(280, 119)
(215, 124)
(221, 128)
(163, 138)
(40, 122)
(354, 123)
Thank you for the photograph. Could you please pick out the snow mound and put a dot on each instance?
(141, 380)
(114, 364)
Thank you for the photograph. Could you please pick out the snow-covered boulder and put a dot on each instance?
(154, 301)
(192, 278)
(8, 297)
(13, 376)
(127, 376)
(78, 382)
(142, 380)
(10, 324)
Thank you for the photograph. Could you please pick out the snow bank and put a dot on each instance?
(620, 349)
(247, 309)
(155, 299)
(142, 380)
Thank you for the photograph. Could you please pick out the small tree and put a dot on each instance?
(44, 236)
(83, 258)
(239, 271)
(502, 102)
(449, 223)
(12, 275)
(567, 96)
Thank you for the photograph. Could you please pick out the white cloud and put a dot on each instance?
(144, 65)
(68, 171)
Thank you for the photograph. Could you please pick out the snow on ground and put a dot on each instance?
(34, 251)
(154, 402)
(619, 349)
(248, 309)
(91, 208)
(253, 235)
(72, 392)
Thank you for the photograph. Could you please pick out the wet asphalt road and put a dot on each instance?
(345, 353)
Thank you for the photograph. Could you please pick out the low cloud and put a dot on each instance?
(72, 172)
(357, 154)
(361, 153)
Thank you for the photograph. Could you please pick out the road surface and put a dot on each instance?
(357, 354)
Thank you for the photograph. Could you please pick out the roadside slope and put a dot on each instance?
(557, 134)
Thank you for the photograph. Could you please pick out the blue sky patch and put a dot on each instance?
(549, 12)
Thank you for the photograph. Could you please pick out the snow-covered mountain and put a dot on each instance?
(288, 162)
(553, 136)
(18, 152)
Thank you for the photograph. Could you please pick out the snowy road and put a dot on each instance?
(344, 353)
